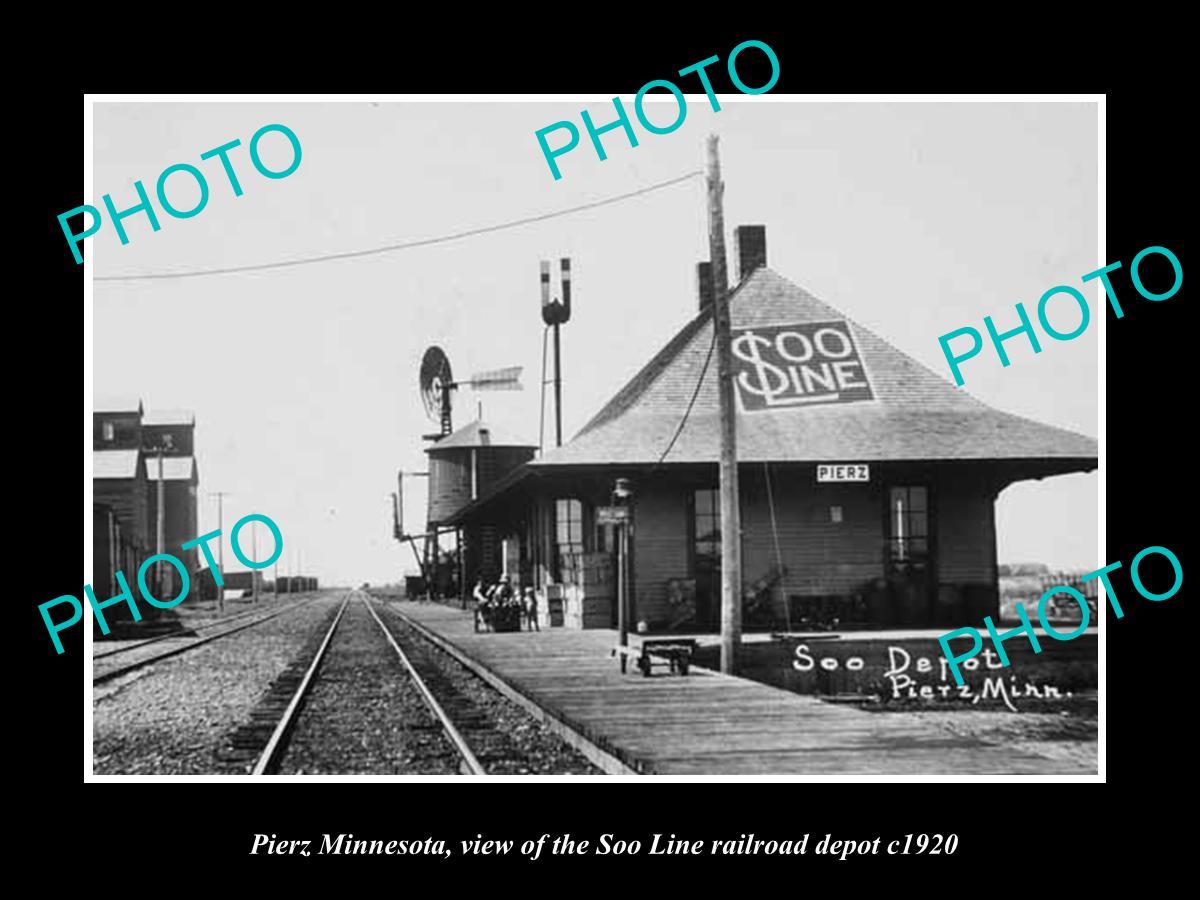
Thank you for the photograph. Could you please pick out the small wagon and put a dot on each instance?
(674, 653)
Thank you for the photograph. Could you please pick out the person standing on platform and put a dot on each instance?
(531, 610)
(482, 601)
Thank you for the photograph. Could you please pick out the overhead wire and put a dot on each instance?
(407, 245)
(787, 611)
(695, 393)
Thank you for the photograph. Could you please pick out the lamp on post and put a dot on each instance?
(622, 496)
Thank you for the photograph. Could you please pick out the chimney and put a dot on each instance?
(704, 284)
(751, 242)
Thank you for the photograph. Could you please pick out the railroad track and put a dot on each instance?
(566, 732)
(174, 636)
(175, 650)
(287, 699)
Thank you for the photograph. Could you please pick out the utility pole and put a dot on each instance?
(159, 530)
(220, 495)
(731, 525)
(555, 313)
(557, 387)
(254, 550)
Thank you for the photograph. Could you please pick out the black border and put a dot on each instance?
(205, 833)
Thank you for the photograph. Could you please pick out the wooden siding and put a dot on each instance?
(182, 438)
(496, 462)
(104, 552)
(450, 475)
(127, 431)
(823, 557)
(842, 562)
(449, 483)
(966, 550)
(127, 499)
(660, 548)
(181, 524)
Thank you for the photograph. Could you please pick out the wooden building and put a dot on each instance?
(117, 424)
(119, 526)
(173, 432)
(868, 482)
(125, 474)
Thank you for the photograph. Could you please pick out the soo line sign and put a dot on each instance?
(797, 365)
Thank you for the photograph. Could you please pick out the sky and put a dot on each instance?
(914, 219)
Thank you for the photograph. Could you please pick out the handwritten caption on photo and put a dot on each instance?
(927, 678)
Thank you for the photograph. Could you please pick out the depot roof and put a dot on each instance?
(915, 414)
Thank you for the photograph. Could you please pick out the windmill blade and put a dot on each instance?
(435, 380)
(497, 380)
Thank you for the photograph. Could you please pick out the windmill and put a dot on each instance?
(437, 382)
(437, 385)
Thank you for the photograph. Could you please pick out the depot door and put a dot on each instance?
(908, 555)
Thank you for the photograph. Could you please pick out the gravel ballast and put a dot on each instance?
(506, 738)
(170, 717)
(363, 715)
(189, 714)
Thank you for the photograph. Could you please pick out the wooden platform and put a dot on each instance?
(708, 723)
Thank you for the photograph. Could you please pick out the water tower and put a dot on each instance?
(464, 464)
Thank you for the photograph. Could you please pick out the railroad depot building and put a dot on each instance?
(867, 482)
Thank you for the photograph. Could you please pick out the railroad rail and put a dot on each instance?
(276, 746)
(600, 756)
(188, 645)
(215, 623)
(474, 767)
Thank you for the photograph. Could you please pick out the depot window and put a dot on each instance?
(705, 538)
(908, 524)
(706, 527)
(568, 537)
